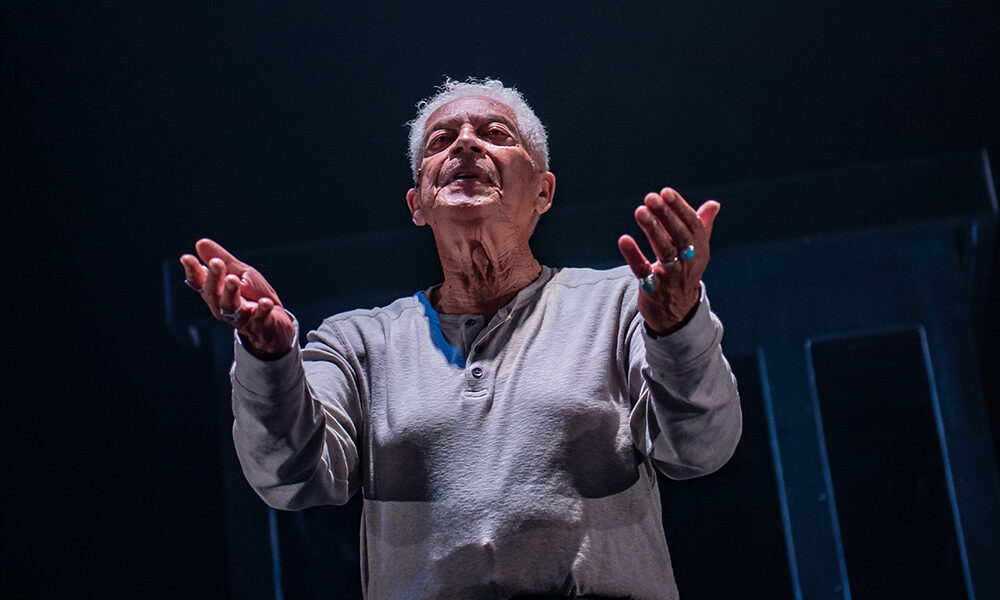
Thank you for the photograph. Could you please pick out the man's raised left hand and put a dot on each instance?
(673, 228)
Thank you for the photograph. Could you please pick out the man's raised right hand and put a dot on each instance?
(238, 295)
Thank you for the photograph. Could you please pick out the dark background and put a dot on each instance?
(133, 129)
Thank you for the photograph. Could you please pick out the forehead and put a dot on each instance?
(471, 109)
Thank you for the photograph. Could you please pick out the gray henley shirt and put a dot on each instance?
(520, 462)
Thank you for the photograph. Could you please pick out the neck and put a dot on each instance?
(482, 272)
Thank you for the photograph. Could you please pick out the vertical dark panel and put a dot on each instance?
(725, 531)
(248, 555)
(320, 552)
(886, 467)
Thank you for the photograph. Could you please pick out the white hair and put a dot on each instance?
(528, 125)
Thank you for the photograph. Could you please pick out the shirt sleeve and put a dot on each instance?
(296, 436)
(687, 415)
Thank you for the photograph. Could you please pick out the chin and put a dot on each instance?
(468, 199)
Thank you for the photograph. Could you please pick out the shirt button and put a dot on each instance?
(477, 372)
(470, 322)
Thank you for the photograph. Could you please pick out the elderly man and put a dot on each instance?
(503, 425)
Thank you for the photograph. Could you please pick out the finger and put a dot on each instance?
(633, 256)
(230, 299)
(264, 307)
(194, 272)
(212, 288)
(232, 308)
(261, 315)
(679, 232)
(707, 213)
(681, 208)
(208, 249)
(659, 239)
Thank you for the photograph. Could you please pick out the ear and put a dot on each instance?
(411, 202)
(546, 190)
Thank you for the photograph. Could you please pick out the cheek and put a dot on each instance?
(521, 179)
(514, 170)
(429, 184)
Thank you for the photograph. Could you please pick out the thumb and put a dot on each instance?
(208, 249)
(707, 213)
(255, 287)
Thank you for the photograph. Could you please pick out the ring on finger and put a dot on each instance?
(229, 315)
(188, 283)
(648, 283)
(666, 264)
(688, 252)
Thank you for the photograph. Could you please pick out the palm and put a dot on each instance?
(238, 295)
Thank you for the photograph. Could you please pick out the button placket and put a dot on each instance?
(478, 383)
(488, 330)
(478, 380)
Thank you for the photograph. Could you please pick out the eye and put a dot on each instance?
(498, 134)
(439, 140)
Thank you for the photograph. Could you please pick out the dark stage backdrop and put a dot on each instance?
(132, 128)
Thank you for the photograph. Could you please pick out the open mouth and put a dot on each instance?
(468, 173)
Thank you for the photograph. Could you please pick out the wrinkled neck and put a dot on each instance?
(482, 272)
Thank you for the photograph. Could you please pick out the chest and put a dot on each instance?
(536, 393)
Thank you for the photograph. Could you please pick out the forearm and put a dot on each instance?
(295, 451)
(688, 417)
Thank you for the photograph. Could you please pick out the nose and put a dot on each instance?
(467, 141)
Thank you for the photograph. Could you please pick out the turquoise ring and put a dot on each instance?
(647, 283)
(688, 252)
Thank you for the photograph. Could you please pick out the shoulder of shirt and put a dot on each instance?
(566, 277)
(574, 277)
(391, 312)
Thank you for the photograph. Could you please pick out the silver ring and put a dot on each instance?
(669, 263)
(229, 316)
(647, 283)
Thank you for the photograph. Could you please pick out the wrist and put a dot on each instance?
(664, 327)
(655, 333)
(263, 352)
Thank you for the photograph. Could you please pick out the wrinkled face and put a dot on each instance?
(474, 166)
